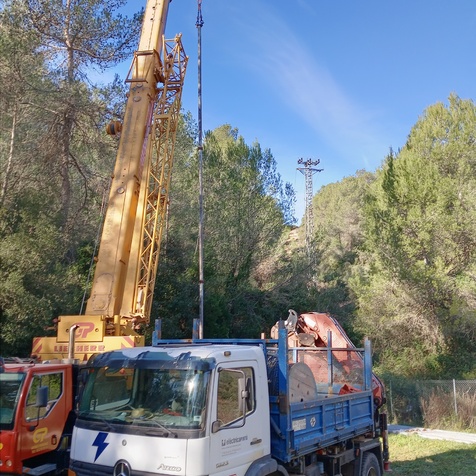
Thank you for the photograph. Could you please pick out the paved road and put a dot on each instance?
(459, 437)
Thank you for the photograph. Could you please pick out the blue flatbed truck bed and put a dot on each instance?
(332, 422)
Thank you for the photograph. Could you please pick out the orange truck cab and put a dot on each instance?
(36, 416)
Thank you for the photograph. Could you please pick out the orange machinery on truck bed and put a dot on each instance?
(35, 434)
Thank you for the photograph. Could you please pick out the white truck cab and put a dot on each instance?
(174, 410)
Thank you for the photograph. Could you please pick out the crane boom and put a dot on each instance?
(127, 261)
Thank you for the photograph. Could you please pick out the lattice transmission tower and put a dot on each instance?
(308, 171)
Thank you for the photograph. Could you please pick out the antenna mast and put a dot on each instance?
(199, 25)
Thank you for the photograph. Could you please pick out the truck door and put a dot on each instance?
(240, 429)
(43, 426)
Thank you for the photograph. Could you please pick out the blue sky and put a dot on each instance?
(336, 80)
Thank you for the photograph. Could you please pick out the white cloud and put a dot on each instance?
(283, 61)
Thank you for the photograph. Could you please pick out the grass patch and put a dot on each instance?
(412, 455)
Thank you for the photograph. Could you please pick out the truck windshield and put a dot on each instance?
(158, 398)
(10, 385)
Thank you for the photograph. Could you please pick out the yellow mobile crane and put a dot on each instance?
(36, 408)
(124, 278)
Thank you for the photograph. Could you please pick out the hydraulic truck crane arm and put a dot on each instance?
(126, 266)
(318, 329)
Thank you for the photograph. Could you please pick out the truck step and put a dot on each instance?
(40, 470)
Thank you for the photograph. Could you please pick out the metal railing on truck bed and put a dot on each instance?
(313, 404)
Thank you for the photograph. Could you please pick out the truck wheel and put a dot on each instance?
(370, 466)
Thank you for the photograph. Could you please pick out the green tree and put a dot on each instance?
(75, 38)
(55, 158)
(20, 125)
(246, 207)
(339, 225)
(416, 283)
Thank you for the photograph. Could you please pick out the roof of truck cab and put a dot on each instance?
(203, 351)
(25, 366)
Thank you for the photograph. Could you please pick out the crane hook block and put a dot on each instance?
(113, 128)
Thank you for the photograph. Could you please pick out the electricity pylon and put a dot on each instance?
(308, 172)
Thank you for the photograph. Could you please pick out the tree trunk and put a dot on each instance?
(8, 169)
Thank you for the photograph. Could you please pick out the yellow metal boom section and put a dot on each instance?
(151, 216)
(123, 284)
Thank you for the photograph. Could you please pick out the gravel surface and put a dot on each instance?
(459, 437)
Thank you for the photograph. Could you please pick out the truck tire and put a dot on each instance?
(370, 465)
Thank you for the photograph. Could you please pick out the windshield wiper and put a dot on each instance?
(94, 417)
(146, 422)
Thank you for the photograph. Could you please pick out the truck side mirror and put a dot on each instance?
(249, 395)
(244, 394)
(41, 402)
(41, 397)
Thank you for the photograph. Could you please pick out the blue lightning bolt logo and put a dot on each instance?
(101, 444)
